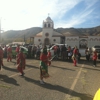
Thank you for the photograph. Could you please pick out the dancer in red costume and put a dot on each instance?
(17, 52)
(94, 58)
(43, 66)
(9, 53)
(74, 60)
(21, 62)
(1, 57)
(17, 49)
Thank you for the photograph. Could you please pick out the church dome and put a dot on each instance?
(48, 19)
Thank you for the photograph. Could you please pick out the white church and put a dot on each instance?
(49, 36)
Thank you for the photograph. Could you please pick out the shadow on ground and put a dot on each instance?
(60, 89)
(62, 68)
(9, 80)
(10, 69)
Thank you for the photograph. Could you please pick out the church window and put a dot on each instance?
(46, 34)
(44, 25)
(54, 40)
(83, 43)
(39, 40)
(46, 41)
(49, 25)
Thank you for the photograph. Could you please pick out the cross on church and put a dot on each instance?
(48, 14)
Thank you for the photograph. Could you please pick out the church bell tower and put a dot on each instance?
(48, 27)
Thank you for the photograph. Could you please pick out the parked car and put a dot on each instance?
(97, 48)
(52, 50)
(25, 50)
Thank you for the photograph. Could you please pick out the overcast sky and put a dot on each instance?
(23, 14)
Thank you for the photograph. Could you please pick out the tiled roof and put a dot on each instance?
(39, 34)
(55, 34)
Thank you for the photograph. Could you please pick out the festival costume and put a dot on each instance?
(75, 52)
(94, 58)
(44, 65)
(9, 54)
(74, 61)
(17, 49)
(20, 62)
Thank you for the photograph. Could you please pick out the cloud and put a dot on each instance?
(79, 18)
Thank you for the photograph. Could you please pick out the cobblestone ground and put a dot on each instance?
(66, 82)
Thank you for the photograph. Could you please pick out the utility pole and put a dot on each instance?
(24, 39)
(0, 29)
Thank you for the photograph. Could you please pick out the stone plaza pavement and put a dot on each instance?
(66, 82)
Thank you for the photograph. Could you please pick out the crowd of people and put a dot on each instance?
(60, 52)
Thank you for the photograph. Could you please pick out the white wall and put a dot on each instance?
(49, 31)
(36, 42)
(57, 40)
(72, 41)
(93, 40)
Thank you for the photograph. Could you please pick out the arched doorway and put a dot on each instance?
(83, 43)
(46, 41)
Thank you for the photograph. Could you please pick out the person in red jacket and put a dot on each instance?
(21, 62)
(17, 49)
(94, 58)
(9, 53)
(1, 57)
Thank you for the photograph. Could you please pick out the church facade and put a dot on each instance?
(50, 36)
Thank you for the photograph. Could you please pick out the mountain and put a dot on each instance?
(21, 33)
(79, 31)
(95, 31)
